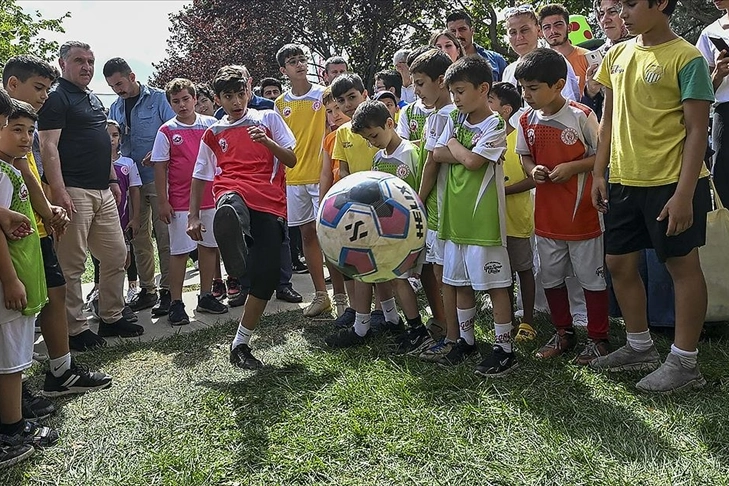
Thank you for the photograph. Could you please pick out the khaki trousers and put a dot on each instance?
(143, 249)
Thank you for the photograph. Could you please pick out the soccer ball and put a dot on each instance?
(371, 226)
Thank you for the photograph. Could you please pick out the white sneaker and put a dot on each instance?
(131, 293)
(579, 320)
(319, 305)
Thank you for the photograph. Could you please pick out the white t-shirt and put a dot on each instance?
(571, 90)
(710, 53)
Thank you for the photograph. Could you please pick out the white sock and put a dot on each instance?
(389, 308)
(503, 336)
(60, 365)
(689, 359)
(242, 336)
(640, 341)
(466, 318)
(361, 323)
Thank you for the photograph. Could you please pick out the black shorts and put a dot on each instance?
(54, 274)
(631, 225)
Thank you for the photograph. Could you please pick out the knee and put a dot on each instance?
(621, 268)
(308, 232)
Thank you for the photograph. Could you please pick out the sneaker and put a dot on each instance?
(132, 292)
(525, 333)
(233, 285)
(562, 341)
(319, 305)
(347, 338)
(411, 339)
(177, 315)
(579, 320)
(497, 364)
(672, 377)
(628, 359)
(34, 406)
(76, 379)
(86, 340)
(129, 314)
(143, 300)
(297, 266)
(437, 351)
(341, 303)
(219, 291)
(121, 328)
(34, 434)
(93, 295)
(377, 318)
(458, 353)
(162, 307)
(208, 304)
(387, 327)
(238, 300)
(346, 320)
(231, 242)
(241, 357)
(10, 455)
(288, 294)
(593, 350)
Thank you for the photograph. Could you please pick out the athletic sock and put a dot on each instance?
(689, 359)
(60, 365)
(242, 336)
(413, 323)
(640, 341)
(559, 306)
(503, 336)
(598, 321)
(389, 308)
(466, 318)
(361, 323)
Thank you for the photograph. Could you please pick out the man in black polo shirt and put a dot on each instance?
(76, 153)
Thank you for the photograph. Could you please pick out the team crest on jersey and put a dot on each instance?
(414, 125)
(125, 170)
(653, 74)
(316, 106)
(569, 136)
(402, 171)
(287, 112)
(23, 193)
(177, 139)
(223, 145)
(530, 136)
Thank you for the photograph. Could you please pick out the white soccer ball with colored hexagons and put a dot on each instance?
(372, 226)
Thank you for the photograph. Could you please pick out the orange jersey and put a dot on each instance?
(328, 147)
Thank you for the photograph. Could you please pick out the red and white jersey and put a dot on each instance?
(562, 211)
(235, 163)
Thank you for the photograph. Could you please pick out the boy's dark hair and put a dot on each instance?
(24, 67)
(287, 51)
(21, 109)
(554, 9)
(433, 63)
(6, 103)
(391, 79)
(344, 83)
(265, 82)
(670, 8)
(177, 85)
(470, 69)
(507, 94)
(459, 15)
(116, 65)
(370, 114)
(543, 66)
(230, 79)
(335, 60)
(417, 52)
(203, 89)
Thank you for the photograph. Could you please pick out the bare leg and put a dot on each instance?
(527, 289)
(207, 259)
(313, 255)
(629, 290)
(432, 286)
(449, 305)
(10, 398)
(178, 264)
(54, 323)
(691, 299)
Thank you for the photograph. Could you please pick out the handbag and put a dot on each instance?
(714, 256)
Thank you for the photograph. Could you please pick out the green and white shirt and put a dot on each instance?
(403, 162)
(412, 121)
(434, 126)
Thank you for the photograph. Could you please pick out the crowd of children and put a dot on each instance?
(499, 166)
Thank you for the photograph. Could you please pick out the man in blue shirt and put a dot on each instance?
(459, 23)
(140, 110)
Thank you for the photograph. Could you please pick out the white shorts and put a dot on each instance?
(302, 204)
(478, 267)
(434, 248)
(180, 242)
(584, 259)
(16, 344)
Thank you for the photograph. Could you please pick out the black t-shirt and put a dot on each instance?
(128, 105)
(84, 146)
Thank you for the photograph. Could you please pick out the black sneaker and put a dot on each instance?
(33, 434)
(347, 338)
(458, 354)
(208, 304)
(231, 241)
(86, 340)
(346, 320)
(499, 363)
(129, 314)
(288, 294)
(143, 300)
(233, 286)
(239, 299)
(241, 357)
(121, 328)
(13, 454)
(177, 315)
(219, 290)
(76, 379)
(162, 307)
(34, 406)
(387, 327)
(411, 339)
(297, 266)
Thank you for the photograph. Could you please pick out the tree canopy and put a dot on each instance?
(21, 33)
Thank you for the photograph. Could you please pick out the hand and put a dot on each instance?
(166, 213)
(14, 293)
(592, 86)
(147, 160)
(14, 225)
(133, 227)
(560, 174)
(680, 213)
(540, 174)
(258, 134)
(116, 192)
(60, 197)
(59, 221)
(195, 228)
(599, 194)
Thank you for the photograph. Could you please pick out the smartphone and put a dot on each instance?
(720, 44)
(594, 58)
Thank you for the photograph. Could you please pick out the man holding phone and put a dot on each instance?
(554, 19)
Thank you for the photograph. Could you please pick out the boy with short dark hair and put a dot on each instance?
(658, 92)
(557, 140)
(389, 80)
(472, 217)
(242, 155)
(271, 88)
(390, 101)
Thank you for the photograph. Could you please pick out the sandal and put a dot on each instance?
(525, 333)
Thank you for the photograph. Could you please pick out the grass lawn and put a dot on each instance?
(179, 414)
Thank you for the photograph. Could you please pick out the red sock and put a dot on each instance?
(559, 307)
(598, 323)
